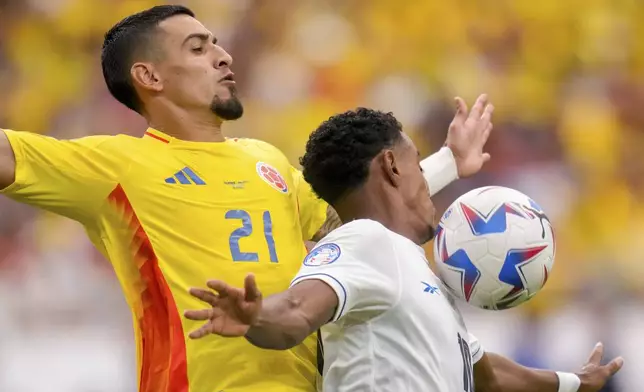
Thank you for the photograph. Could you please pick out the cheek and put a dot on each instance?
(422, 194)
(416, 190)
(194, 75)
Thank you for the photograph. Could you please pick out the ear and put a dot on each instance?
(145, 76)
(390, 168)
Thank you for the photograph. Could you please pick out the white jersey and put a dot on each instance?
(395, 328)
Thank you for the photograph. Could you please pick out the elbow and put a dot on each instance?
(283, 341)
(290, 340)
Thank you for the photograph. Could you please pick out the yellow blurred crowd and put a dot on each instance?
(566, 77)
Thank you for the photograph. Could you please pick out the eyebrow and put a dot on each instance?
(201, 36)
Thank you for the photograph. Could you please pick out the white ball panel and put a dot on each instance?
(486, 224)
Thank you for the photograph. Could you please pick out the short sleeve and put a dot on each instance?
(476, 350)
(312, 209)
(72, 178)
(358, 262)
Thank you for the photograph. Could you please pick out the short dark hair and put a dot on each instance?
(124, 41)
(340, 150)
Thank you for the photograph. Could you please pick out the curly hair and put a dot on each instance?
(339, 152)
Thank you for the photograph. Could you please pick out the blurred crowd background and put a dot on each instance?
(567, 80)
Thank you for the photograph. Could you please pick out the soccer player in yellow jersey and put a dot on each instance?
(184, 203)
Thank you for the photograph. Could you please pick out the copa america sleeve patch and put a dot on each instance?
(323, 255)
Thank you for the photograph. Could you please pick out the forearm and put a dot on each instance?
(281, 324)
(439, 170)
(505, 375)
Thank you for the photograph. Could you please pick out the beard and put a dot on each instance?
(229, 109)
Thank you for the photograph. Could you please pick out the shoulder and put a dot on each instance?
(361, 228)
(270, 156)
(116, 142)
(258, 145)
(94, 143)
(362, 236)
(86, 145)
(121, 147)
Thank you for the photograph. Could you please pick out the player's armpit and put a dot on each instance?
(7, 162)
(495, 373)
(331, 223)
(286, 319)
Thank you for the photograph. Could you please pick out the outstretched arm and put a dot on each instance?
(286, 319)
(7, 162)
(495, 373)
(68, 177)
(280, 322)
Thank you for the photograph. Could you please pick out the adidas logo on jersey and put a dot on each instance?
(185, 176)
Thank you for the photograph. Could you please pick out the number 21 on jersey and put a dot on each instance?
(246, 230)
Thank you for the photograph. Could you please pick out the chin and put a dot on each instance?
(227, 109)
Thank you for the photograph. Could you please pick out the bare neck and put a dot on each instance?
(202, 126)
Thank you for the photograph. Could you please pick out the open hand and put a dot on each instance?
(233, 310)
(593, 374)
(468, 133)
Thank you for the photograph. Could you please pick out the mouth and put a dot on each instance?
(228, 79)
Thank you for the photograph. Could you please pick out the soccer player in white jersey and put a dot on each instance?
(389, 324)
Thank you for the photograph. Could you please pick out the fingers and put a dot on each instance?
(487, 132)
(479, 105)
(199, 315)
(487, 113)
(597, 354)
(201, 332)
(206, 296)
(615, 365)
(461, 110)
(224, 289)
(252, 293)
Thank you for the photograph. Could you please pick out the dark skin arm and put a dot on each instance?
(279, 322)
(495, 373)
(7, 162)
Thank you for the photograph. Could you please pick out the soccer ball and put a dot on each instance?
(494, 248)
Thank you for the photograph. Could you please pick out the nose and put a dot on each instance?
(223, 59)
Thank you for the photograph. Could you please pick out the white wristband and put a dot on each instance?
(439, 170)
(568, 382)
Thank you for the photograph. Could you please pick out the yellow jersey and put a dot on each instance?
(169, 214)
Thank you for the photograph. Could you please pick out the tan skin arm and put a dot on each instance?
(332, 222)
(7, 162)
